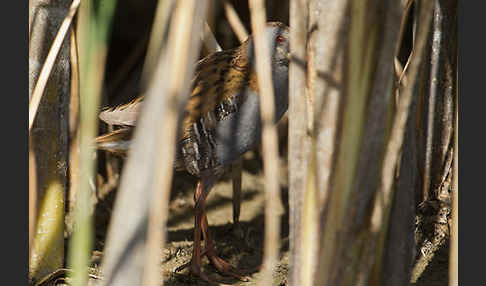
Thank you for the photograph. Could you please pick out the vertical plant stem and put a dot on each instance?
(236, 171)
(454, 245)
(382, 203)
(31, 12)
(298, 135)
(270, 143)
(355, 80)
(32, 196)
(180, 58)
(49, 63)
(81, 240)
(326, 84)
(235, 21)
(310, 224)
(93, 26)
(327, 30)
(48, 136)
(73, 132)
(159, 30)
(352, 96)
(209, 40)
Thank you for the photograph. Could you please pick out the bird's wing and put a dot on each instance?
(219, 81)
(125, 114)
(219, 89)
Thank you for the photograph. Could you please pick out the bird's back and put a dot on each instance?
(221, 84)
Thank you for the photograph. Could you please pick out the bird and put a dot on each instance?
(220, 122)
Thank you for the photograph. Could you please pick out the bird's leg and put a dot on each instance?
(236, 170)
(209, 247)
(201, 226)
(195, 264)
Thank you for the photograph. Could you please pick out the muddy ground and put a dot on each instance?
(242, 248)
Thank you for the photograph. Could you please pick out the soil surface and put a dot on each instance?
(241, 246)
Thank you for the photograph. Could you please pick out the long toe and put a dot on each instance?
(226, 268)
(195, 270)
(221, 265)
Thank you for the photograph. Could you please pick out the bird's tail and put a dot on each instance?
(117, 142)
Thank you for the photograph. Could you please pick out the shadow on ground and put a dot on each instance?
(243, 249)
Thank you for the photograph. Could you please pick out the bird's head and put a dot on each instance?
(277, 38)
(277, 35)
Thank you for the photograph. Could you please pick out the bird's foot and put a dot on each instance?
(195, 270)
(220, 264)
(224, 267)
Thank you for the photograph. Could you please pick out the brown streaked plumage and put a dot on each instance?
(220, 77)
(220, 121)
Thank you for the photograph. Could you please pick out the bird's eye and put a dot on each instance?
(280, 39)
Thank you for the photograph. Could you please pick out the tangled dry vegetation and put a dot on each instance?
(367, 152)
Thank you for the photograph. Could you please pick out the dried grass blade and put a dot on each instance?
(49, 63)
(270, 143)
(181, 53)
(382, 202)
(235, 21)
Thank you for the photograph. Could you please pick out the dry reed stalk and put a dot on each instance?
(30, 16)
(235, 21)
(357, 62)
(356, 73)
(436, 90)
(401, 71)
(159, 30)
(49, 62)
(241, 33)
(381, 205)
(48, 139)
(454, 245)
(326, 84)
(327, 58)
(126, 249)
(73, 131)
(32, 196)
(310, 223)
(270, 143)
(209, 40)
(181, 53)
(298, 138)
(74, 99)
